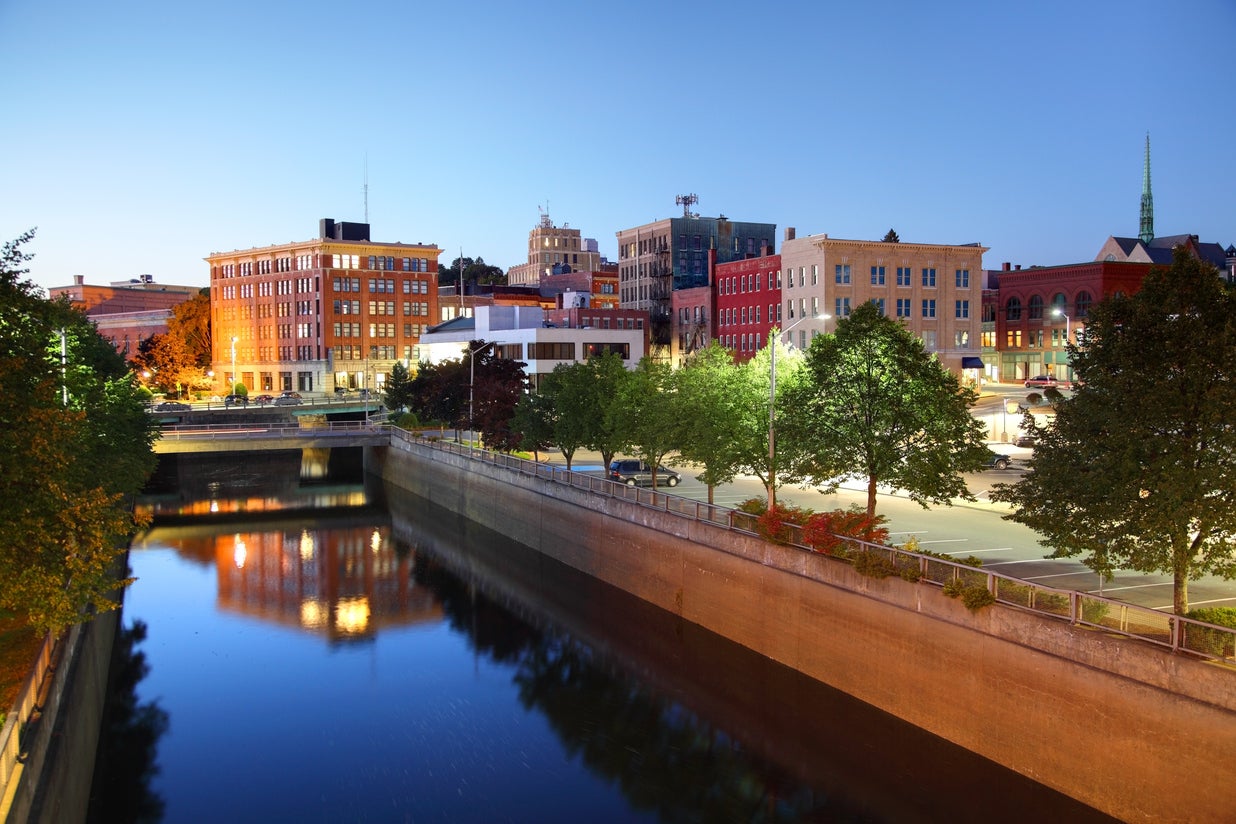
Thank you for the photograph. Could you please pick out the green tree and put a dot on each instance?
(755, 391)
(567, 405)
(1136, 471)
(892, 237)
(607, 432)
(471, 272)
(440, 393)
(398, 390)
(646, 411)
(712, 396)
(875, 405)
(74, 445)
(533, 423)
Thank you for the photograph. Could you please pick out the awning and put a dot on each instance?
(971, 363)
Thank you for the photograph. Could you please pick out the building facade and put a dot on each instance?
(336, 311)
(935, 290)
(748, 303)
(523, 333)
(128, 312)
(554, 250)
(659, 258)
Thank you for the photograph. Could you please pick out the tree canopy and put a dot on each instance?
(75, 444)
(471, 272)
(1137, 468)
(875, 405)
(892, 237)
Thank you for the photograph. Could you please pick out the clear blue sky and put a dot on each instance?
(142, 136)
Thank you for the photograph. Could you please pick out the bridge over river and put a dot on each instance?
(252, 436)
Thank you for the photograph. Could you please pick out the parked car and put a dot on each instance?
(342, 390)
(288, 399)
(236, 400)
(171, 406)
(634, 472)
(997, 461)
(262, 400)
(1046, 381)
(1026, 440)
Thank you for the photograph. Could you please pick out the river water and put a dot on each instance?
(319, 651)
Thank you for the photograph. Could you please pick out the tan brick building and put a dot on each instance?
(554, 250)
(934, 289)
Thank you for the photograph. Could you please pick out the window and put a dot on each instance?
(1035, 307)
(929, 277)
(903, 307)
(1059, 304)
(903, 275)
(877, 275)
(1012, 338)
(962, 310)
(1012, 309)
(879, 302)
(1082, 307)
(841, 308)
(962, 279)
(842, 273)
(962, 339)
(929, 340)
(929, 307)
(815, 274)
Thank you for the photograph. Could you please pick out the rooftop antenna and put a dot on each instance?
(546, 223)
(686, 202)
(366, 187)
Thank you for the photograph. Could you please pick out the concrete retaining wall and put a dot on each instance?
(1125, 727)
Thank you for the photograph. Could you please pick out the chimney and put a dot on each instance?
(79, 280)
(789, 233)
(1007, 266)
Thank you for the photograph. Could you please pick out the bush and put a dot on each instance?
(873, 565)
(974, 596)
(408, 420)
(826, 532)
(1212, 641)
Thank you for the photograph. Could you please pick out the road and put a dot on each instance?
(964, 529)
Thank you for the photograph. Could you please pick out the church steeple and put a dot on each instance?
(1146, 233)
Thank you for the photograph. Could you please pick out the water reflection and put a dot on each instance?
(128, 740)
(578, 701)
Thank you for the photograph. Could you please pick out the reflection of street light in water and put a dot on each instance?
(240, 553)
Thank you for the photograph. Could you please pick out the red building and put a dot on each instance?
(1039, 308)
(747, 295)
(126, 313)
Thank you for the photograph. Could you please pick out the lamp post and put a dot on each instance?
(1068, 335)
(772, 406)
(232, 389)
(472, 353)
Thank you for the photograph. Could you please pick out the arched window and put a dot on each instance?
(1059, 303)
(1035, 305)
(1012, 309)
(1083, 304)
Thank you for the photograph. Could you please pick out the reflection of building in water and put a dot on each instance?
(345, 583)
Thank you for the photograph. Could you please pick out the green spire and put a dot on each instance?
(1146, 234)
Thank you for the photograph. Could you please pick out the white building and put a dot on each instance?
(522, 333)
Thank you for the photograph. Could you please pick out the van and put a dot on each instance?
(634, 472)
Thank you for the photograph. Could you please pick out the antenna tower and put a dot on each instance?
(366, 187)
(686, 202)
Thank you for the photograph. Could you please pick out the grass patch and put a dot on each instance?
(19, 644)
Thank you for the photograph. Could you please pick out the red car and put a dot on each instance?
(1044, 381)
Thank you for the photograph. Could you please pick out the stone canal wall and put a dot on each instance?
(1128, 728)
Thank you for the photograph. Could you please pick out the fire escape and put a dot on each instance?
(660, 297)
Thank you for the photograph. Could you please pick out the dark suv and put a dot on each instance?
(633, 472)
(236, 400)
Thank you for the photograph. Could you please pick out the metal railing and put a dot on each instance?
(1173, 632)
(280, 429)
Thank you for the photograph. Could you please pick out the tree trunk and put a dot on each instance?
(871, 496)
(1180, 579)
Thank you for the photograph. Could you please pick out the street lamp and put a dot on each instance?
(1068, 334)
(472, 353)
(232, 389)
(772, 406)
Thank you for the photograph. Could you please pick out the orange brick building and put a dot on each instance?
(336, 311)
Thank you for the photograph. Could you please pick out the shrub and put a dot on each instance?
(827, 532)
(953, 587)
(408, 420)
(976, 597)
(1212, 641)
(873, 565)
